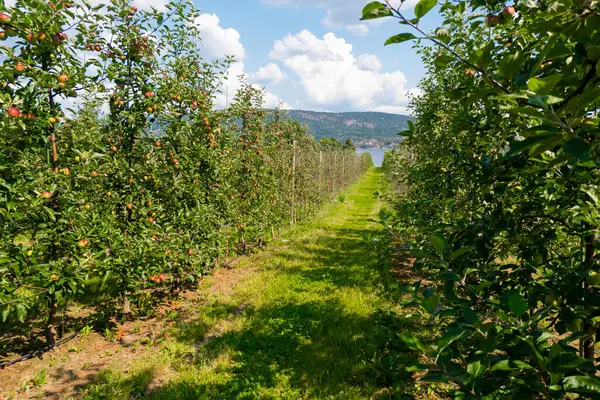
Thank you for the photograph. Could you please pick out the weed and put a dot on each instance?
(40, 378)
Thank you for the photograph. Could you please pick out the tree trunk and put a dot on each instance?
(50, 325)
(588, 344)
(126, 304)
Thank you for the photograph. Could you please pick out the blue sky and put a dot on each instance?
(314, 54)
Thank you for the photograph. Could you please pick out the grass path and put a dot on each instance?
(309, 318)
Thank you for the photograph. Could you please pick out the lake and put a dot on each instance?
(376, 154)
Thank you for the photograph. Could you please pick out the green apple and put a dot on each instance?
(593, 279)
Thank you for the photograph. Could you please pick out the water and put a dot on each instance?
(376, 154)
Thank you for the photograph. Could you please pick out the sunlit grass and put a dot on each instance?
(314, 321)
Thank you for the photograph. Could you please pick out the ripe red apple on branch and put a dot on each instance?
(508, 12)
(14, 112)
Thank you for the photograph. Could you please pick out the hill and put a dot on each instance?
(365, 129)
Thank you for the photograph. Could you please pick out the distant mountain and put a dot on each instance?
(365, 129)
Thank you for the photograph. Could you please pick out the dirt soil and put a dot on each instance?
(65, 370)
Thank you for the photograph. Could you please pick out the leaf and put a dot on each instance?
(544, 100)
(544, 85)
(423, 254)
(402, 37)
(405, 134)
(432, 303)
(418, 367)
(412, 342)
(375, 10)
(534, 143)
(517, 304)
(423, 7)
(450, 336)
(567, 361)
(443, 60)
(434, 377)
(438, 242)
(449, 276)
(581, 384)
(21, 312)
(459, 252)
(578, 148)
(583, 100)
(476, 369)
(510, 365)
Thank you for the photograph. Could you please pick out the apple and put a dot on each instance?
(29, 253)
(77, 159)
(46, 195)
(19, 67)
(62, 78)
(113, 148)
(53, 277)
(52, 120)
(2, 35)
(593, 279)
(41, 36)
(190, 252)
(4, 18)
(551, 300)
(14, 112)
(508, 12)
(66, 171)
(82, 243)
(129, 206)
(492, 20)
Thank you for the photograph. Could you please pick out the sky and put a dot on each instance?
(314, 54)
(311, 54)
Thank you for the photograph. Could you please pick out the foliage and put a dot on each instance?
(154, 189)
(497, 196)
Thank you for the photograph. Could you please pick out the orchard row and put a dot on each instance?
(497, 195)
(145, 182)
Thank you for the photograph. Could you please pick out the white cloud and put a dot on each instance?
(218, 41)
(236, 76)
(358, 29)
(271, 73)
(368, 62)
(330, 74)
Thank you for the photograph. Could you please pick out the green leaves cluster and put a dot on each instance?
(144, 183)
(496, 199)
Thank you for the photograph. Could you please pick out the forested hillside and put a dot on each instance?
(365, 129)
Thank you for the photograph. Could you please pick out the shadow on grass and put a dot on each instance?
(302, 350)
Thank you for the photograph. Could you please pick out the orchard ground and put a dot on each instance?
(312, 316)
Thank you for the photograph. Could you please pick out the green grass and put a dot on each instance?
(317, 319)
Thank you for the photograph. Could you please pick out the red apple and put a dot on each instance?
(14, 112)
(19, 67)
(82, 243)
(492, 20)
(4, 18)
(46, 195)
(508, 12)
